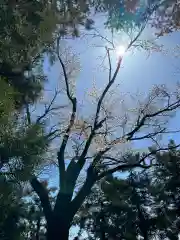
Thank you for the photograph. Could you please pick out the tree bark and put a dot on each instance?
(60, 223)
(59, 229)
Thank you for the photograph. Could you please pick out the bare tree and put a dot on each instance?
(96, 145)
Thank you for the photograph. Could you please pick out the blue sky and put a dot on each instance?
(138, 73)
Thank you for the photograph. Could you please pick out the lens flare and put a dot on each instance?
(120, 50)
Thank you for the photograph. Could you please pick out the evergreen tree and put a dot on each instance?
(144, 205)
(166, 191)
(123, 210)
(33, 217)
(28, 31)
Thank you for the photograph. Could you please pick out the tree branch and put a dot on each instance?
(44, 198)
(65, 74)
(84, 191)
(73, 101)
(105, 92)
(97, 124)
(48, 108)
(28, 114)
(110, 65)
(149, 135)
(139, 164)
(141, 122)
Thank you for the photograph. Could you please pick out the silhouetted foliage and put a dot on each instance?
(143, 205)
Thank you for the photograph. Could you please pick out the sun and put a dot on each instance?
(120, 50)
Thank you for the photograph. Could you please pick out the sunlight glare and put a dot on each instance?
(120, 50)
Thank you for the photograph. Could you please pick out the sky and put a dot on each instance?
(139, 70)
(138, 73)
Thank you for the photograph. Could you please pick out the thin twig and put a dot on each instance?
(48, 108)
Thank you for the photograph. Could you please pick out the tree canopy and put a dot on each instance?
(144, 205)
(127, 15)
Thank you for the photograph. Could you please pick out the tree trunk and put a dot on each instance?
(59, 229)
(58, 234)
(145, 236)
